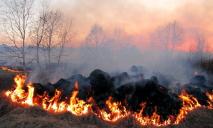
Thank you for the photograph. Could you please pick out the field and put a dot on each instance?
(14, 116)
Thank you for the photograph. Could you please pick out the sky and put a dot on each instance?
(139, 18)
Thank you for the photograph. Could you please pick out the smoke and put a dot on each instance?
(115, 53)
(140, 17)
(144, 40)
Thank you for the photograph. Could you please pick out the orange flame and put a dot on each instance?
(29, 99)
(19, 95)
(4, 68)
(150, 120)
(189, 103)
(114, 111)
(210, 96)
(76, 106)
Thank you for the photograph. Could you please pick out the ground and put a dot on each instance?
(14, 116)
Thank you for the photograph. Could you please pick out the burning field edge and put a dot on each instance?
(25, 95)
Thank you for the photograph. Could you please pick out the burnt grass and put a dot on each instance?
(14, 116)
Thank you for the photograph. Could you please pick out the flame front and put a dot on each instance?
(116, 111)
(113, 112)
(78, 107)
(18, 95)
(7, 69)
(154, 119)
(29, 99)
(189, 103)
(54, 104)
(210, 97)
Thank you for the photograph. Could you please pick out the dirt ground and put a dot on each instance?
(14, 116)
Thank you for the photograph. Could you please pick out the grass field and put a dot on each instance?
(14, 116)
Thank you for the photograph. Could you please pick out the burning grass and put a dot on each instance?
(114, 111)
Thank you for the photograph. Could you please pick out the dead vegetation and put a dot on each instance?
(14, 116)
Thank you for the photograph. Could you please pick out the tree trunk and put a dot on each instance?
(23, 54)
(37, 54)
(49, 50)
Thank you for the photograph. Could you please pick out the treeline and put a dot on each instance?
(30, 22)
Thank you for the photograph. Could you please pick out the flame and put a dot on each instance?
(210, 97)
(52, 104)
(18, 93)
(154, 119)
(29, 100)
(189, 103)
(76, 106)
(4, 68)
(116, 111)
(113, 112)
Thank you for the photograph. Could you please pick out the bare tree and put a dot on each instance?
(175, 34)
(17, 20)
(93, 43)
(39, 31)
(53, 22)
(169, 35)
(95, 38)
(65, 37)
(200, 45)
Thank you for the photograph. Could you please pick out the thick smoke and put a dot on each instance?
(116, 54)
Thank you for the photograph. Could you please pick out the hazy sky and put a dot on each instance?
(139, 17)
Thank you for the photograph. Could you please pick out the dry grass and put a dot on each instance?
(36, 118)
(14, 116)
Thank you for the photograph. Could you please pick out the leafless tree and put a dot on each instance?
(95, 37)
(200, 45)
(93, 43)
(169, 36)
(53, 23)
(65, 37)
(175, 34)
(39, 31)
(17, 21)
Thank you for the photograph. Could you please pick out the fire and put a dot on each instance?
(24, 94)
(54, 104)
(189, 103)
(19, 93)
(116, 111)
(29, 100)
(76, 106)
(4, 68)
(154, 119)
(210, 96)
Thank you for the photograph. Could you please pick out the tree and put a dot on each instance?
(39, 31)
(95, 37)
(169, 36)
(53, 23)
(200, 45)
(65, 37)
(17, 19)
(93, 42)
